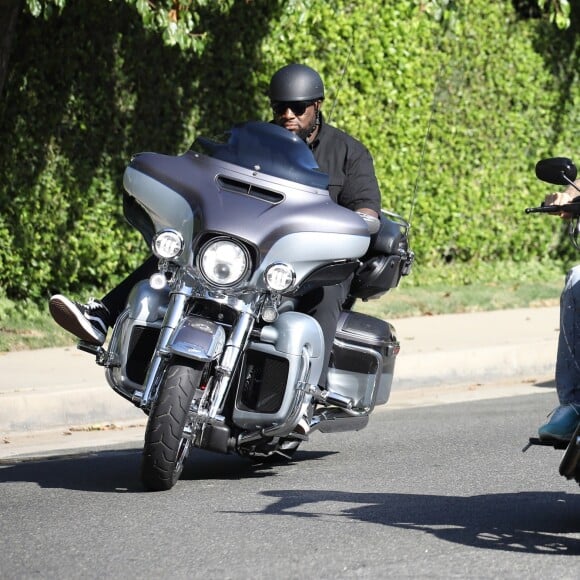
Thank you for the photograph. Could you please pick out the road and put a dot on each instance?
(438, 491)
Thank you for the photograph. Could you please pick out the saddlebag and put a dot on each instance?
(363, 359)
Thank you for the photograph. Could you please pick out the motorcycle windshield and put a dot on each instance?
(270, 149)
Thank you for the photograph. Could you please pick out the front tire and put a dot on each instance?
(166, 445)
(570, 464)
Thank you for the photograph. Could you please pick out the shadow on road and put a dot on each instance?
(118, 471)
(527, 522)
(104, 471)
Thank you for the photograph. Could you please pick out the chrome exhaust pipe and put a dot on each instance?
(334, 420)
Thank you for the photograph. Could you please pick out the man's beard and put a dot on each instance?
(307, 131)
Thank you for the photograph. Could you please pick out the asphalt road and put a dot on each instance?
(441, 491)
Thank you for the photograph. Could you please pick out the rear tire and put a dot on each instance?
(166, 447)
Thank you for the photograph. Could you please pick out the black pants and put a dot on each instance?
(323, 304)
(116, 299)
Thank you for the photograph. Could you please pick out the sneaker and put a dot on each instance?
(89, 321)
(563, 422)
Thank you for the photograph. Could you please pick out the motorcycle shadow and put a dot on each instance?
(118, 471)
(535, 522)
(204, 465)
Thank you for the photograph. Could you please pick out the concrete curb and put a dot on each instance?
(54, 388)
(94, 402)
(472, 366)
(64, 408)
(63, 387)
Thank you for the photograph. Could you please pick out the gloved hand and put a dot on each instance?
(373, 223)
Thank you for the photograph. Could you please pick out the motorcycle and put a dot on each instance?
(561, 171)
(211, 347)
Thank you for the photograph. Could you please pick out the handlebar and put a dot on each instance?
(572, 208)
(561, 171)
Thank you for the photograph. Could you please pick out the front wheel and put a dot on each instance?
(570, 464)
(167, 440)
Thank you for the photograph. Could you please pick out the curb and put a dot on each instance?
(61, 388)
(474, 366)
(39, 411)
(93, 402)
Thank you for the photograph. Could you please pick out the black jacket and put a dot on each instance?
(352, 180)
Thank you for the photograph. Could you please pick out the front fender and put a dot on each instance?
(197, 338)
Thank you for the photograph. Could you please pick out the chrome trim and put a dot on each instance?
(334, 420)
(303, 388)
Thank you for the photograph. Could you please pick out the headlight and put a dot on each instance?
(223, 262)
(279, 277)
(167, 244)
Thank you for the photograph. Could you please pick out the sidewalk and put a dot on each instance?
(459, 348)
(63, 389)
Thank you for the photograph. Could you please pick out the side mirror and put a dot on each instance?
(556, 170)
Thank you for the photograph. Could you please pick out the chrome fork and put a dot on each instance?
(175, 309)
(235, 346)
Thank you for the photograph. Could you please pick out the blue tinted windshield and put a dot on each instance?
(269, 149)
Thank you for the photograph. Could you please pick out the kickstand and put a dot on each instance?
(537, 441)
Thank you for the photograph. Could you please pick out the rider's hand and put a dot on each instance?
(371, 218)
(560, 198)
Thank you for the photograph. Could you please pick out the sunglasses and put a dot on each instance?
(297, 107)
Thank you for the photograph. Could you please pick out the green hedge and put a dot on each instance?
(456, 112)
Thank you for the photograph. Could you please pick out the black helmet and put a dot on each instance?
(296, 82)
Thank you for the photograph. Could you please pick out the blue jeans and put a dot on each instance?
(568, 357)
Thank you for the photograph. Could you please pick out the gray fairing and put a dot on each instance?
(262, 187)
